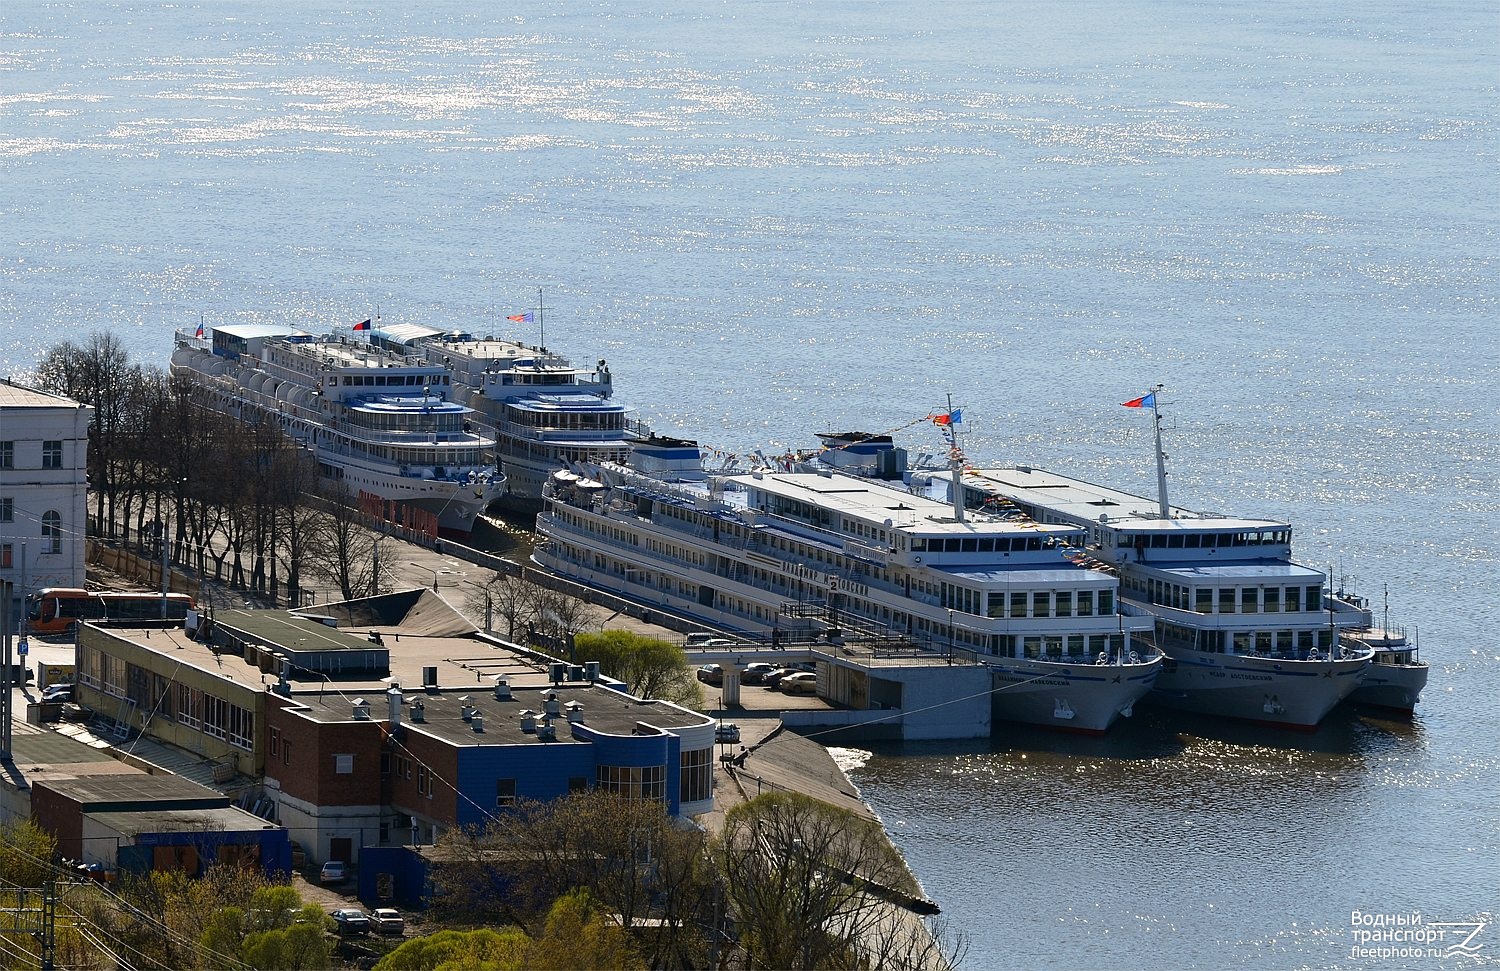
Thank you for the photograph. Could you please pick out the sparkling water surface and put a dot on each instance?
(781, 218)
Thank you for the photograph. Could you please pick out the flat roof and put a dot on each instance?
(878, 503)
(1270, 570)
(604, 710)
(1087, 501)
(250, 331)
(226, 819)
(136, 787)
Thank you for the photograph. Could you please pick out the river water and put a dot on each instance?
(786, 217)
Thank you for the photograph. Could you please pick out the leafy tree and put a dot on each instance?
(577, 935)
(465, 949)
(650, 667)
(26, 852)
(627, 854)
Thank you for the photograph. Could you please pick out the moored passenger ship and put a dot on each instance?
(381, 425)
(785, 551)
(544, 412)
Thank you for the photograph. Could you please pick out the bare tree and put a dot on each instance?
(346, 553)
(815, 886)
(509, 597)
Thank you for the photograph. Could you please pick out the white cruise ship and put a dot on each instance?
(381, 425)
(768, 552)
(545, 413)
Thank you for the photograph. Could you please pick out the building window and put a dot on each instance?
(189, 706)
(633, 782)
(343, 764)
(578, 783)
(51, 532)
(697, 775)
(275, 741)
(7, 455)
(505, 792)
(7, 510)
(215, 716)
(5, 556)
(385, 765)
(52, 455)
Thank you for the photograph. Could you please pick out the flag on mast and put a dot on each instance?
(521, 318)
(364, 324)
(954, 417)
(1144, 401)
(199, 332)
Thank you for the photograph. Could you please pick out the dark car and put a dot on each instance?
(57, 692)
(773, 678)
(755, 673)
(351, 920)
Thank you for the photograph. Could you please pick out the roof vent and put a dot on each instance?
(528, 720)
(466, 707)
(429, 676)
(361, 709)
(418, 711)
(502, 688)
(476, 721)
(575, 711)
(591, 671)
(551, 705)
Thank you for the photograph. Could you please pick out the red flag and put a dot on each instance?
(363, 324)
(521, 318)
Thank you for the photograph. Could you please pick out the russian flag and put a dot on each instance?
(1144, 401)
(521, 318)
(199, 332)
(364, 324)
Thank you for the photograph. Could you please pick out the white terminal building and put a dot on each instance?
(43, 488)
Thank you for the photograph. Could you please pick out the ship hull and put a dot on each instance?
(1397, 687)
(1081, 698)
(1278, 692)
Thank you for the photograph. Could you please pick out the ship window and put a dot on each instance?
(1226, 600)
(1205, 600)
(1304, 640)
(1314, 598)
(1273, 600)
(1065, 604)
(1249, 602)
(996, 605)
(1018, 605)
(1085, 603)
(1241, 642)
(1033, 543)
(1039, 603)
(1106, 601)
(969, 545)
(1193, 541)
(1175, 542)
(987, 546)
(1293, 599)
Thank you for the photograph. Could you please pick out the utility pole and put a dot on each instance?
(7, 696)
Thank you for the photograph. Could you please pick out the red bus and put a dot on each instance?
(55, 610)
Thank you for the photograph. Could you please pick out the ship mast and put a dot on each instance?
(955, 463)
(1162, 507)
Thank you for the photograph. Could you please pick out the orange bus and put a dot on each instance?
(55, 610)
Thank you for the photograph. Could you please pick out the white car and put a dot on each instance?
(388, 920)
(801, 683)
(333, 871)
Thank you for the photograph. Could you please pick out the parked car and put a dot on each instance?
(756, 671)
(388, 920)
(711, 674)
(351, 920)
(800, 683)
(334, 871)
(727, 732)
(57, 692)
(698, 639)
